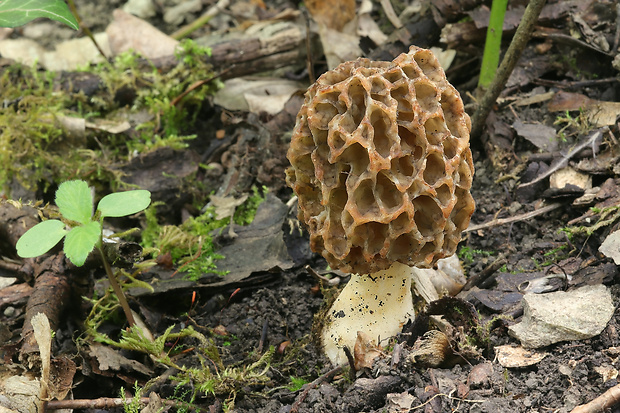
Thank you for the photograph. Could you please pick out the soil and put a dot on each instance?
(270, 309)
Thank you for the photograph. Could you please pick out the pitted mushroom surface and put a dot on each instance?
(381, 165)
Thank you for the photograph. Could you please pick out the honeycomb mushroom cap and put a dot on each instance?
(380, 162)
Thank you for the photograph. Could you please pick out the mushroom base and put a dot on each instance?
(377, 304)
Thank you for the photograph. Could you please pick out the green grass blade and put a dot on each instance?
(41, 238)
(15, 13)
(493, 43)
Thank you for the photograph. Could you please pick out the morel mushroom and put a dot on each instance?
(380, 162)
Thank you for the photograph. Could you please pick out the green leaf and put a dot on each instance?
(41, 238)
(75, 201)
(80, 241)
(15, 13)
(121, 204)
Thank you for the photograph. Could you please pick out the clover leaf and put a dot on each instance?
(82, 230)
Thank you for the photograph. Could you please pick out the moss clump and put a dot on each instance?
(37, 148)
(190, 244)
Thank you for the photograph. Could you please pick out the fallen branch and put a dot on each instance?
(50, 296)
(106, 403)
(603, 402)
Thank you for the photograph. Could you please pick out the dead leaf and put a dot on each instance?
(516, 356)
(225, 205)
(399, 402)
(338, 46)
(62, 373)
(365, 351)
(155, 404)
(611, 247)
(607, 372)
(257, 95)
(535, 98)
(367, 26)
(74, 128)
(334, 14)
(541, 136)
(569, 176)
(127, 32)
(43, 336)
(563, 101)
(220, 330)
(105, 125)
(22, 394)
(599, 113)
(113, 360)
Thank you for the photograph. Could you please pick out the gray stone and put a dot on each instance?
(562, 316)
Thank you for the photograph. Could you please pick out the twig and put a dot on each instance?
(309, 59)
(104, 403)
(302, 396)
(351, 359)
(595, 135)
(391, 14)
(195, 86)
(444, 395)
(603, 402)
(617, 35)
(263, 337)
(201, 21)
(578, 84)
(482, 276)
(495, 222)
(521, 36)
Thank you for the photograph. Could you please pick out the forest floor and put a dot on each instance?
(231, 307)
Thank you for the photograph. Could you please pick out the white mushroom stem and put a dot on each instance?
(377, 304)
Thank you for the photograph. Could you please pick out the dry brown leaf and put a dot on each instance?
(512, 357)
(570, 176)
(541, 136)
(611, 247)
(365, 351)
(128, 32)
(599, 113)
(334, 14)
(225, 205)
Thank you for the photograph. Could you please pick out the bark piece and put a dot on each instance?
(50, 297)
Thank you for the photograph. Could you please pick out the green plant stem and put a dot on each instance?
(117, 288)
(493, 43)
(85, 28)
(201, 21)
(522, 35)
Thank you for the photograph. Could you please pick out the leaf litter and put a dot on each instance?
(268, 299)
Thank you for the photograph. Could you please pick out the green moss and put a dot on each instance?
(191, 244)
(244, 215)
(296, 383)
(468, 254)
(36, 149)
